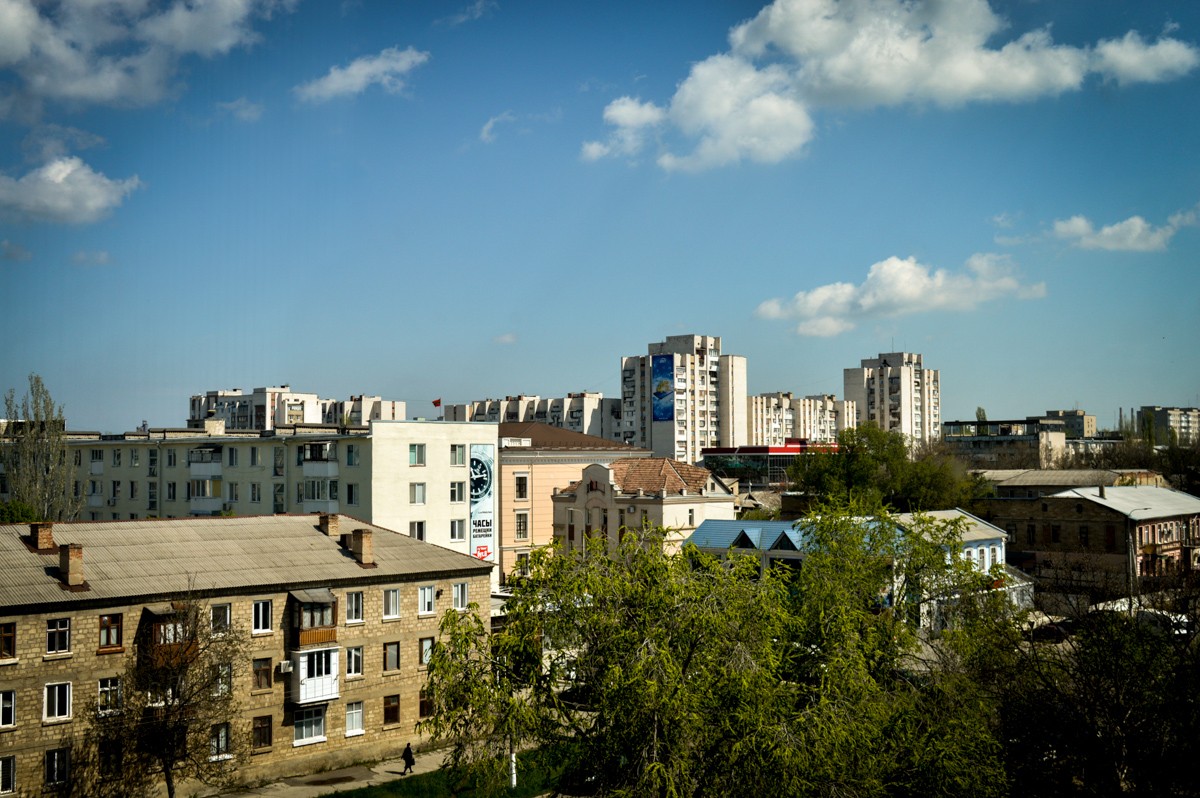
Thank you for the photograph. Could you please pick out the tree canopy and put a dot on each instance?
(33, 449)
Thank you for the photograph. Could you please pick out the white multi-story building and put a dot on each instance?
(1179, 425)
(896, 392)
(683, 396)
(268, 408)
(587, 412)
(432, 479)
(775, 418)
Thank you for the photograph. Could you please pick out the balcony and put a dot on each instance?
(320, 506)
(317, 636)
(317, 469)
(205, 505)
(315, 676)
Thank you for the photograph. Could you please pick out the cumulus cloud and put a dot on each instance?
(1134, 234)
(754, 102)
(487, 134)
(387, 69)
(476, 10)
(242, 109)
(12, 251)
(632, 121)
(900, 287)
(120, 52)
(47, 142)
(63, 190)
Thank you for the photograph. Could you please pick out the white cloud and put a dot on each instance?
(755, 101)
(12, 251)
(97, 257)
(505, 338)
(476, 10)
(487, 134)
(900, 287)
(386, 69)
(242, 109)
(63, 190)
(123, 52)
(632, 120)
(1134, 234)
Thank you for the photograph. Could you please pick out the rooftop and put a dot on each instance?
(1138, 502)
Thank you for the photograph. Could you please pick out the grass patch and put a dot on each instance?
(536, 775)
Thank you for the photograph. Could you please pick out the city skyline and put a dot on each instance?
(479, 199)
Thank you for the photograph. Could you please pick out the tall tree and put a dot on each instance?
(33, 449)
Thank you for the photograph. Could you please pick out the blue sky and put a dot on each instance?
(475, 199)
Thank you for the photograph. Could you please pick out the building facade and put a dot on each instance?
(587, 413)
(776, 418)
(636, 493)
(339, 618)
(897, 393)
(682, 396)
(1021, 443)
(268, 408)
(535, 461)
(1179, 425)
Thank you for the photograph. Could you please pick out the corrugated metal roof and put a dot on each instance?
(1138, 502)
(135, 559)
(714, 534)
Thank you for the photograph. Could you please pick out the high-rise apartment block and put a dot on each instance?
(268, 408)
(1179, 425)
(587, 412)
(683, 396)
(896, 392)
(775, 418)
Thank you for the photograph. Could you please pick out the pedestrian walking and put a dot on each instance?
(408, 758)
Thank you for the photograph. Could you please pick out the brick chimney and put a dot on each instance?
(329, 524)
(70, 563)
(41, 535)
(362, 546)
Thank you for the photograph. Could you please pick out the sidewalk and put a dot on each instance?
(351, 778)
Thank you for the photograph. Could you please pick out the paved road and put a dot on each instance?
(351, 778)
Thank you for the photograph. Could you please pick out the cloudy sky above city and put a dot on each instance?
(462, 200)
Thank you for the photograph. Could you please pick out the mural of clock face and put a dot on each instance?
(481, 478)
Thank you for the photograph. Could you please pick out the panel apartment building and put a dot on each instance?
(268, 408)
(897, 393)
(586, 412)
(682, 396)
(776, 418)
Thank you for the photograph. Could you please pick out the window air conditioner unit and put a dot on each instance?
(285, 666)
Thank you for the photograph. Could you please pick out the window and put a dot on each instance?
(8, 708)
(1030, 534)
(425, 707)
(232, 456)
(58, 766)
(354, 661)
(460, 595)
(262, 616)
(313, 615)
(416, 454)
(58, 702)
(222, 678)
(262, 673)
(521, 489)
(354, 607)
(354, 718)
(352, 493)
(170, 458)
(416, 529)
(255, 492)
(277, 466)
(391, 603)
(278, 498)
(58, 636)
(254, 456)
(522, 526)
(220, 618)
(110, 631)
(1055, 533)
(416, 493)
(218, 740)
(8, 640)
(116, 460)
(133, 489)
(318, 663)
(424, 650)
(109, 699)
(116, 489)
(391, 709)
(691, 517)
(523, 564)
(170, 491)
(232, 488)
(353, 454)
(458, 454)
(391, 656)
(458, 491)
(1084, 536)
(425, 600)
(8, 771)
(458, 529)
(260, 729)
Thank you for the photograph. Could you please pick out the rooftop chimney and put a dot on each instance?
(70, 564)
(41, 534)
(329, 524)
(1101, 491)
(362, 546)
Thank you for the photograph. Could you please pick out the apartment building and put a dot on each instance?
(897, 393)
(536, 460)
(587, 412)
(1013, 443)
(1078, 424)
(1179, 425)
(268, 408)
(776, 418)
(683, 396)
(637, 493)
(341, 617)
(430, 479)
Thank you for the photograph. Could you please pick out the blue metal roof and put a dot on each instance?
(762, 535)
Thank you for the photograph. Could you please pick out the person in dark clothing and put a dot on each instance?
(408, 758)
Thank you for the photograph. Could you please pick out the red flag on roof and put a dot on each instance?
(437, 402)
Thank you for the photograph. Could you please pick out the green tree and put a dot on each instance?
(33, 449)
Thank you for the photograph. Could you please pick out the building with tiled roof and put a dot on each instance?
(338, 614)
(535, 461)
(635, 493)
